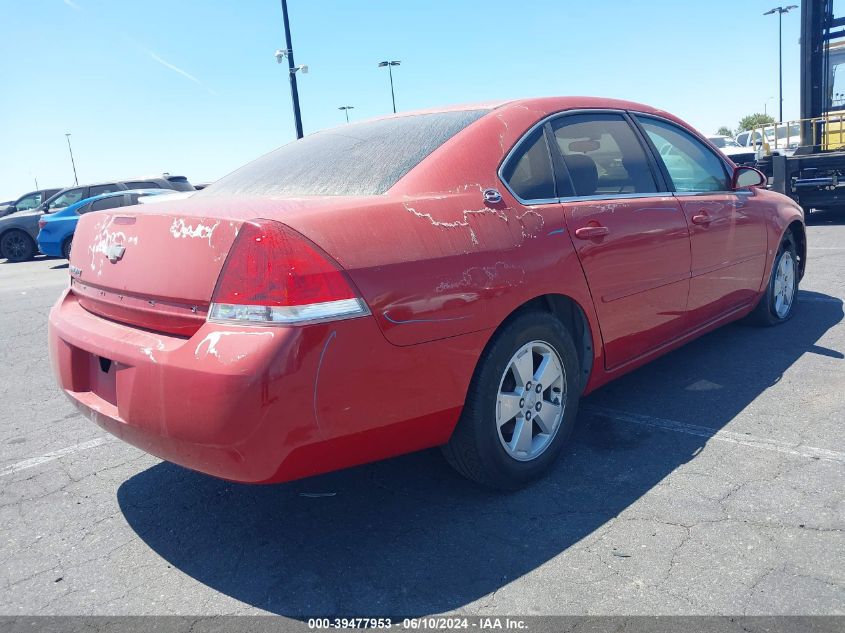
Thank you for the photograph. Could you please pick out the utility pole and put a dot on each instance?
(346, 110)
(294, 93)
(780, 11)
(390, 65)
(75, 179)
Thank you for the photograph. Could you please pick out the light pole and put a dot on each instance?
(346, 110)
(780, 11)
(292, 68)
(766, 105)
(390, 66)
(75, 179)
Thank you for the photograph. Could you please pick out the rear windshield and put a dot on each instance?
(352, 160)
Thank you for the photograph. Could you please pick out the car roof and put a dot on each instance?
(540, 104)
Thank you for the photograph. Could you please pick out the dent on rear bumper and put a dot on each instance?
(260, 404)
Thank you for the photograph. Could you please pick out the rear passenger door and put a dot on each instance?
(629, 232)
(727, 229)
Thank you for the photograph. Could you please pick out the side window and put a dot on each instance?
(692, 166)
(96, 191)
(529, 171)
(85, 208)
(742, 139)
(142, 184)
(603, 155)
(107, 203)
(68, 198)
(29, 202)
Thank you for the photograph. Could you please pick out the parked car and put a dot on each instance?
(782, 141)
(737, 153)
(55, 235)
(455, 278)
(27, 201)
(18, 237)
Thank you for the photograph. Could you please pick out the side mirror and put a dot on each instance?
(745, 177)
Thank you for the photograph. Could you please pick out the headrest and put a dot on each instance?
(585, 174)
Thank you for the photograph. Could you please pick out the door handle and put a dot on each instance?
(701, 219)
(591, 232)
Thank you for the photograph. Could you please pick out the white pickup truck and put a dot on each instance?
(782, 139)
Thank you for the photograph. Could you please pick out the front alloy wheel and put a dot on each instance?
(784, 286)
(779, 300)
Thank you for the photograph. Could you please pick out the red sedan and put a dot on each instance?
(454, 278)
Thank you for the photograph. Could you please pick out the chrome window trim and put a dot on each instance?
(693, 194)
(618, 196)
(544, 121)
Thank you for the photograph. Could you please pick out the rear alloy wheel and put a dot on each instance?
(521, 404)
(17, 246)
(778, 302)
(66, 248)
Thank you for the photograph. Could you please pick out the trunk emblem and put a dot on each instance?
(115, 252)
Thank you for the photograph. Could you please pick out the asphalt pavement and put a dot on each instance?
(711, 481)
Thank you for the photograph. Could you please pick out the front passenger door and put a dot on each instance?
(727, 229)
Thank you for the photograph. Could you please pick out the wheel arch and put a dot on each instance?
(65, 240)
(799, 234)
(573, 317)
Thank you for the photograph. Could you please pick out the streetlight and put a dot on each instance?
(75, 179)
(390, 66)
(346, 110)
(766, 105)
(292, 68)
(780, 11)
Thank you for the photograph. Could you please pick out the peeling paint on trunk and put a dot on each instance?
(179, 229)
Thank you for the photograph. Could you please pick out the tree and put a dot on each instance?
(724, 131)
(753, 121)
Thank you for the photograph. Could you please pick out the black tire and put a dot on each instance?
(474, 449)
(765, 313)
(17, 246)
(66, 248)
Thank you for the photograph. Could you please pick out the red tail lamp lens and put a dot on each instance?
(273, 274)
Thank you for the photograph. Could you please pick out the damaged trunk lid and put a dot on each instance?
(152, 270)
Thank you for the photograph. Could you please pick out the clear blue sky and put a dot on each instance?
(192, 87)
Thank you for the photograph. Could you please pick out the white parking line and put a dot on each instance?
(32, 462)
(798, 450)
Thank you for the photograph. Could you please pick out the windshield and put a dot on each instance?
(356, 159)
(65, 199)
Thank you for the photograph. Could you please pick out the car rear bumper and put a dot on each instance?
(51, 248)
(253, 404)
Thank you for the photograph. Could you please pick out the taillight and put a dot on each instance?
(42, 224)
(275, 275)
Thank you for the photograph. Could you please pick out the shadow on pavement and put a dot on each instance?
(409, 537)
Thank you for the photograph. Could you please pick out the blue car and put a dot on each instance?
(56, 229)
